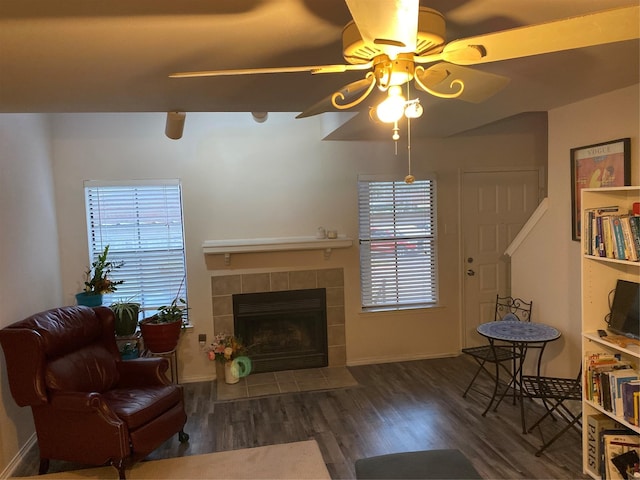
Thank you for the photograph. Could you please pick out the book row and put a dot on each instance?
(612, 450)
(613, 384)
(608, 232)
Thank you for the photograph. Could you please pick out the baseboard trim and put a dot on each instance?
(15, 461)
(198, 378)
(396, 358)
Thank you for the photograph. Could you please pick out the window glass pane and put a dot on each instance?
(397, 243)
(142, 224)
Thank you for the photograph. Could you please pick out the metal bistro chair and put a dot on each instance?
(503, 356)
(555, 393)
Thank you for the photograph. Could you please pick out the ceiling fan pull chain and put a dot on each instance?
(396, 137)
(409, 179)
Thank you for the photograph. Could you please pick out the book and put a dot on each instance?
(600, 238)
(616, 379)
(587, 231)
(596, 365)
(634, 222)
(607, 237)
(627, 463)
(619, 251)
(629, 245)
(614, 444)
(596, 424)
(594, 237)
(630, 393)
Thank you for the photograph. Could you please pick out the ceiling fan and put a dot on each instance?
(393, 39)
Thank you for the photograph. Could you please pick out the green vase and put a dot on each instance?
(89, 300)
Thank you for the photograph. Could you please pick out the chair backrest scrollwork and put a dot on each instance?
(509, 307)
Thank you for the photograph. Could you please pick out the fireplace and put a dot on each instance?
(286, 330)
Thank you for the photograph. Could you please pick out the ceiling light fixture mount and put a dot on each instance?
(389, 74)
(392, 40)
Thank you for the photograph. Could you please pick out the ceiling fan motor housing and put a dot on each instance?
(393, 72)
(430, 39)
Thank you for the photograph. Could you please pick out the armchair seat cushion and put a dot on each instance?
(138, 406)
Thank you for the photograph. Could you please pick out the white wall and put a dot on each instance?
(241, 179)
(546, 267)
(29, 262)
(246, 180)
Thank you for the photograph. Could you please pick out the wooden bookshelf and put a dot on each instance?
(598, 277)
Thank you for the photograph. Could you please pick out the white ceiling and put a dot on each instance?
(114, 56)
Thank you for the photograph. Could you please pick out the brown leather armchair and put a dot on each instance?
(88, 405)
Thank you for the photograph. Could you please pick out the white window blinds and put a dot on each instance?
(142, 224)
(397, 232)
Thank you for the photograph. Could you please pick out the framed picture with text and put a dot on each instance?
(600, 165)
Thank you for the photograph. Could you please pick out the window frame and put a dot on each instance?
(99, 235)
(400, 257)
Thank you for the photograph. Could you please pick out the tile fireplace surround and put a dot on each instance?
(224, 286)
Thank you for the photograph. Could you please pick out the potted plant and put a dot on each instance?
(161, 331)
(126, 313)
(98, 280)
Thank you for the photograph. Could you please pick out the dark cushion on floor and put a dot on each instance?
(429, 464)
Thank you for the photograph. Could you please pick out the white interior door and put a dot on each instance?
(495, 206)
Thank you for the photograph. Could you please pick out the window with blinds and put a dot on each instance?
(142, 224)
(397, 233)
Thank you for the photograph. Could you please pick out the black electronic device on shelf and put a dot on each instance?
(624, 318)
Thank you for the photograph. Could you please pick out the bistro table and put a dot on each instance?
(523, 336)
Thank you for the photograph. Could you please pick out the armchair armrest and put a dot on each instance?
(143, 371)
(93, 433)
(84, 403)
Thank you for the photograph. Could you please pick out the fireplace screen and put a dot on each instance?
(285, 330)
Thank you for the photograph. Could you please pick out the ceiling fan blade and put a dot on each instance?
(392, 25)
(478, 85)
(598, 28)
(325, 104)
(257, 71)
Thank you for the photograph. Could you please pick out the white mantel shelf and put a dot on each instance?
(281, 244)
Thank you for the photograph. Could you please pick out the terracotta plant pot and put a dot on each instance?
(160, 337)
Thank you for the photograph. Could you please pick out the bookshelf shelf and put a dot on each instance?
(618, 419)
(609, 260)
(598, 277)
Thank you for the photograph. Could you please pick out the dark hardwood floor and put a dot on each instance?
(396, 407)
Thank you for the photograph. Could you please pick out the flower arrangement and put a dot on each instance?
(97, 277)
(225, 348)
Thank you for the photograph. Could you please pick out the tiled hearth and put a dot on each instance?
(289, 381)
(225, 285)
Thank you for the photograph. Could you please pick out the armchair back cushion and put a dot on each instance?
(42, 347)
(89, 369)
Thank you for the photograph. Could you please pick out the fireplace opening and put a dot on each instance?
(285, 330)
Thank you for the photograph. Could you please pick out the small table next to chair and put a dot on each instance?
(522, 335)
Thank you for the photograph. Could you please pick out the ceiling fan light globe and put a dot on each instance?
(391, 108)
(413, 110)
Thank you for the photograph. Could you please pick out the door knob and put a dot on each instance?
(470, 273)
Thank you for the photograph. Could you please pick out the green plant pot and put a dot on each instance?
(160, 337)
(89, 300)
(127, 320)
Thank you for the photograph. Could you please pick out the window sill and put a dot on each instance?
(400, 308)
